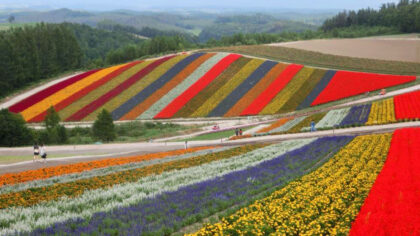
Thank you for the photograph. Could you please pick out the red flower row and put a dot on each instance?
(407, 106)
(275, 87)
(41, 95)
(393, 204)
(194, 89)
(346, 84)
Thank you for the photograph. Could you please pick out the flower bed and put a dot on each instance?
(64, 93)
(346, 84)
(187, 95)
(288, 125)
(76, 96)
(333, 118)
(319, 87)
(138, 86)
(39, 96)
(393, 204)
(232, 83)
(358, 115)
(252, 94)
(208, 94)
(182, 87)
(100, 91)
(153, 86)
(275, 125)
(382, 112)
(407, 106)
(265, 97)
(321, 203)
(242, 89)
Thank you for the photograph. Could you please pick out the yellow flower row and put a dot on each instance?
(137, 87)
(62, 94)
(324, 202)
(382, 112)
(287, 92)
(227, 88)
(98, 92)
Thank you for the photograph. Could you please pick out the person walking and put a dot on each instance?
(43, 153)
(240, 132)
(236, 131)
(36, 152)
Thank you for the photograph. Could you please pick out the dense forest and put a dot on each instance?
(29, 54)
(404, 16)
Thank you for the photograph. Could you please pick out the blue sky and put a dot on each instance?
(102, 5)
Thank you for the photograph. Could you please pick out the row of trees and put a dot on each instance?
(405, 16)
(14, 131)
(29, 54)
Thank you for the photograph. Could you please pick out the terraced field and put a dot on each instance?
(199, 85)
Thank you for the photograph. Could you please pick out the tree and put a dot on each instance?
(13, 131)
(55, 133)
(11, 19)
(103, 128)
(52, 119)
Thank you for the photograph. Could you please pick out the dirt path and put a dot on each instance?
(383, 48)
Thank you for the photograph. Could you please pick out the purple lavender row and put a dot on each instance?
(358, 115)
(170, 211)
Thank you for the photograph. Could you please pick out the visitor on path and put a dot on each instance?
(43, 153)
(236, 131)
(313, 126)
(186, 145)
(240, 132)
(36, 152)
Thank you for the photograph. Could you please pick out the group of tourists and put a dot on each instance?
(40, 151)
(238, 132)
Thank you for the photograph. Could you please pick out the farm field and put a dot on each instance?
(199, 85)
(385, 48)
(249, 189)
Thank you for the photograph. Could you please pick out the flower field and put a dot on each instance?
(326, 186)
(204, 85)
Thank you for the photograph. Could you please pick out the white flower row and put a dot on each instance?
(290, 124)
(20, 219)
(332, 118)
(101, 171)
(180, 88)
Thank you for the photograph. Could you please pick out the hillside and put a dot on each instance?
(199, 85)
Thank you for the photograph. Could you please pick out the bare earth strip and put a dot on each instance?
(405, 49)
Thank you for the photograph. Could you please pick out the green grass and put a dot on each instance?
(4, 160)
(310, 58)
(6, 26)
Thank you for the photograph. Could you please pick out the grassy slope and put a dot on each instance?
(317, 59)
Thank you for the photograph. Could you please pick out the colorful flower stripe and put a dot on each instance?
(121, 195)
(275, 125)
(86, 110)
(382, 112)
(137, 87)
(357, 115)
(100, 91)
(41, 95)
(242, 89)
(66, 92)
(317, 90)
(208, 93)
(346, 84)
(306, 123)
(272, 90)
(104, 171)
(44, 173)
(213, 169)
(232, 83)
(182, 87)
(74, 97)
(333, 118)
(284, 95)
(299, 96)
(407, 106)
(252, 94)
(159, 93)
(393, 204)
(289, 124)
(321, 203)
(180, 101)
(152, 87)
(152, 215)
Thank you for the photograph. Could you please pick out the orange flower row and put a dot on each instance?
(44, 173)
(275, 125)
